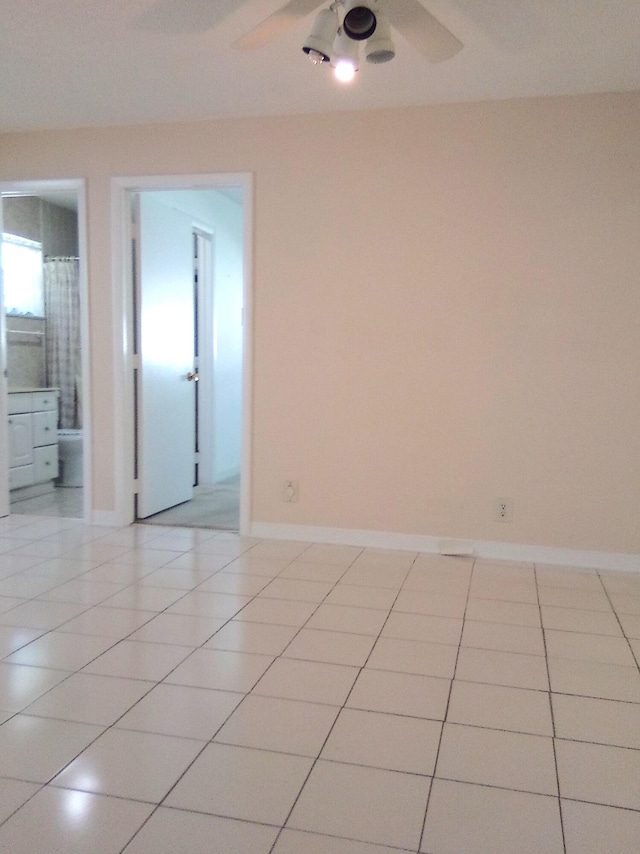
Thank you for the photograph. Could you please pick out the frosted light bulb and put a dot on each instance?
(345, 71)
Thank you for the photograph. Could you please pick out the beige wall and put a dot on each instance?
(447, 310)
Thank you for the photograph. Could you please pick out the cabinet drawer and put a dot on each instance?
(45, 428)
(45, 463)
(21, 476)
(19, 402)
(44, 400)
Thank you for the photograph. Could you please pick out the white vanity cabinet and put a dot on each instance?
(33, 437)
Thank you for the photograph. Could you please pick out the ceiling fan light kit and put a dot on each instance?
(339, 29)
(337, 42)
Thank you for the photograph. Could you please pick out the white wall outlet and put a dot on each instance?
(504, 510)
(290, 491)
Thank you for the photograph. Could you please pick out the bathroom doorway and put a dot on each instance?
(188, 292)
(44, 348)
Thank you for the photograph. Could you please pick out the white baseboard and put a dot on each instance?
(107, 519)
(436, 545)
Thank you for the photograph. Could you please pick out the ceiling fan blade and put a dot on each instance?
(423, 31)
(277, 24)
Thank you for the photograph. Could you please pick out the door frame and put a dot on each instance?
(122, 189)
(206, 385)
(35, 188)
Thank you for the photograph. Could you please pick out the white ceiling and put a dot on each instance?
(68, 63)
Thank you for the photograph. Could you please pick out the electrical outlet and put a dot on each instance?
(504, 510)
(290, 491)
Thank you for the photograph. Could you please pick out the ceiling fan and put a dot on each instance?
(409, 17)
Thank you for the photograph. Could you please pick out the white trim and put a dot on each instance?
(247, 355)
(122, 355)
(85, 343)
(121, 189)
(436, 545)
(107, 519)
(79, 187)
(4, 432)
(206, 372)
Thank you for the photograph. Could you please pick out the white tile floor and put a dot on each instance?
(179, 690)
(61, 501)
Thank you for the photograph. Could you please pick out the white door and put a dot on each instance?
(165, 344)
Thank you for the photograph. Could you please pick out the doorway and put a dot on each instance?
(45, 419)
(188, 361)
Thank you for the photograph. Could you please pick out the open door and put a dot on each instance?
(165, 386)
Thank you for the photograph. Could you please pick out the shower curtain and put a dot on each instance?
(63, 357)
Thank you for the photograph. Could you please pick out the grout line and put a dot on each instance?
(446, 712)
(636, 658)
(553, 721)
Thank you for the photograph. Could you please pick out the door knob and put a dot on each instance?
(193, 377)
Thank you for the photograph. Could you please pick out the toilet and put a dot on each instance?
(70, 456)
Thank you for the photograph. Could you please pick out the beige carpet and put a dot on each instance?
(211, 507)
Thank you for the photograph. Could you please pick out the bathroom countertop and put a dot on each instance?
(29, 389)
